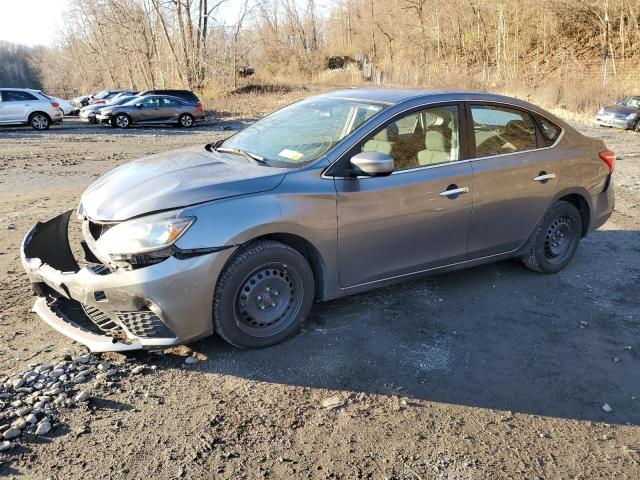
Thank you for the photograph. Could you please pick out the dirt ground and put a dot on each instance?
(489, 373)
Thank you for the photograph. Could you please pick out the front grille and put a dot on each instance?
(98, 229)
(145, 324)
(100, 318)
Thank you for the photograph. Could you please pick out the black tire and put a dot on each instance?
(186, 120)
(39, 121)
(636, 126)
(554, 242)
(263, 295)
(121, 120)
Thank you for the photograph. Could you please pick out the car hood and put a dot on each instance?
(620, 109)
(172, 180)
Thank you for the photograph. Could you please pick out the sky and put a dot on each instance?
(38, 22)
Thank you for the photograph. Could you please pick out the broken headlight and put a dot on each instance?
(145, 238)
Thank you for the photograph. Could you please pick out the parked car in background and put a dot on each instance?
(105, 95)
(624, 114)
(334, 195)
(66, 106)
(151, 110)
(186, 95)
(88, 113)
(22, 106)
(81, 101)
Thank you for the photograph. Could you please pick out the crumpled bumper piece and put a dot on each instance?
(152, 307)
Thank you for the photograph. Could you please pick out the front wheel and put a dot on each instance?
(263, 295)
(186, 120)
(40, 121)
(636, 126)
(121, 120)
(555, 241)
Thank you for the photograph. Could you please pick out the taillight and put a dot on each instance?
(55, 104)
(199, 107)
(609, 158)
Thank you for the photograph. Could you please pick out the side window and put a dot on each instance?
(500, 130)
(170, 102)
(427, 137)
(16, 96)
(151, 102)
(550, 131)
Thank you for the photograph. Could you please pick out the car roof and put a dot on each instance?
(400, 95)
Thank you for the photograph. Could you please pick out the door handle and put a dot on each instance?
(454, 192)
(543, 177)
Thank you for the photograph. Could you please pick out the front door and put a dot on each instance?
(16, 105)
(416, 218)
(515, 177)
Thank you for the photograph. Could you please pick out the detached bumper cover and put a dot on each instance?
(151, 307)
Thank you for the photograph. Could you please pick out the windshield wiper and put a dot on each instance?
(248, 155)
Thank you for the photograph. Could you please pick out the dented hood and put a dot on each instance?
(172, 180)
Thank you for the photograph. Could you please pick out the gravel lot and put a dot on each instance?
(489, 373)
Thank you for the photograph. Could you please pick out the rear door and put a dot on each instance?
(515, 177)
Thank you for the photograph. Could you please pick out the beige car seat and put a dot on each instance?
(384, 141)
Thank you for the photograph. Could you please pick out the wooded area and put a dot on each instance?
(528, 47)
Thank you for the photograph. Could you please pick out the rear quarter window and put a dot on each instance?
(550, 131)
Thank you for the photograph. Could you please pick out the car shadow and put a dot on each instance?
(496, 336)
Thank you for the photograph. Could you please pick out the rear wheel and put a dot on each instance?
(121, 120)
(263, 295)
(636, 126)
(39, 121)
(186, 120)
(554, 243)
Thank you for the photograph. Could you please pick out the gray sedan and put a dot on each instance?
(151, 110)
(624, 114)
(333, 195)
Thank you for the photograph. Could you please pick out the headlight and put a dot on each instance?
(601, 111)
(632, 116)
(142, 236)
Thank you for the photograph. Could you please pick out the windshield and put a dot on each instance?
(120, 100)
(302, 132)
(101, 95)
(633, 102)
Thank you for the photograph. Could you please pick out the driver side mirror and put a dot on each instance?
(374, 164)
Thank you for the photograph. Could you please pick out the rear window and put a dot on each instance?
(499, 130)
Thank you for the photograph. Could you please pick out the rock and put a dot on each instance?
(43, 428)
(138, 369)
(16, 403)
(332, 403)
(31, 418)
(628, 347)
(17, 382)
(191, 360)
(104, 366)
(6, 445)
(24, 411)
(111, 372)
(56, 373)
(81, 359)
(616, 359)
(20, 423)
(11, 433)
(83, 396)
(607, 408)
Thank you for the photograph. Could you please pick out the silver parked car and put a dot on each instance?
(23, 106)
(624, 114)
(151, 110)
(332, 195)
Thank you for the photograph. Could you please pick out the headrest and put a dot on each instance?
(436, 141)
(437, 118)
(389, 134)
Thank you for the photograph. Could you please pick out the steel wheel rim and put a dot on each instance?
(268, 300)
(559, 239)
(39, 122)
(122, 121)
(186, 121)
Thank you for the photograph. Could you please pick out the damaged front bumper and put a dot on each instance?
(152, 307)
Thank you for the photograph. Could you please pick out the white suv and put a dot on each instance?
(28, 107)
